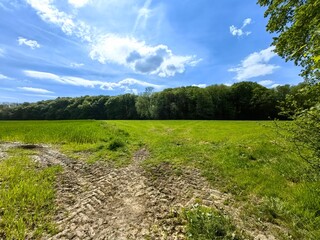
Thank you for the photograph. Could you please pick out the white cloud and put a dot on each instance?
(255, 65)
(137, 55)
(49, 13)
(110, 48)
(2, 52)
(239, 31)
(275, 85)
(35, 90)
(4, 77)
(265, 82)
(246, 22)
(30, 43)
(76, 81)
(143, 15)
(199, 85)
(41, 75)
(78, 3)
(10, 5)
(76, 65)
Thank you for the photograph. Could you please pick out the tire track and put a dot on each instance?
(96, 201)
(99, 202)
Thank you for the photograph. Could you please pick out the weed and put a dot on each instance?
(205, 223)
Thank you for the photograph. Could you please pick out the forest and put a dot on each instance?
(241, 101)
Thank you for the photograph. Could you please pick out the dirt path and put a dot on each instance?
(99, 202)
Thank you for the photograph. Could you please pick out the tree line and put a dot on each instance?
(241, 101)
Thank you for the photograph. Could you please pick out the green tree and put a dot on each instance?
(143, 104)
(297, 25)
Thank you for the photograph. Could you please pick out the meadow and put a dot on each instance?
(247, 159)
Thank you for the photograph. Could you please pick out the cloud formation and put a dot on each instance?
(199, 85)
(265, 82)
(35, 90)
(239, 31)
(49, 13)
(30, 43)
(143, 15)
(2, 52)
(4, 77)
(122, 50)
(275, 85)
(81, 82)
(255, 65)
(76, 65)
(78, 3)
(140, 57)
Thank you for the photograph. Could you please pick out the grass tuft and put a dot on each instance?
(205, 223)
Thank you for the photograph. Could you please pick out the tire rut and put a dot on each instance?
(99, 202)
(96, 201)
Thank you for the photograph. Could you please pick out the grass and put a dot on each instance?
(245, 158)
(26, 197)
(205, 223)
(91, 140)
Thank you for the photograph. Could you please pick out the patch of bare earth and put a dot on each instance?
(96, 201)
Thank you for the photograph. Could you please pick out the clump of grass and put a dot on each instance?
(205, 223)
(26, 197)
(115, 144)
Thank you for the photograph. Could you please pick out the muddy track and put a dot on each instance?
(95, 201)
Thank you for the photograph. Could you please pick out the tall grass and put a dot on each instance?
(26, 197)
(58, 132)
(99, 139)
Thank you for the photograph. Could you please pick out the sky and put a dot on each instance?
(70, 48)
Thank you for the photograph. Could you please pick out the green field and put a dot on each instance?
(245, 158)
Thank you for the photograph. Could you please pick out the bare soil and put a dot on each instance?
(96, 201)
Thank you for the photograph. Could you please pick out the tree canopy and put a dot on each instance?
(243, 101)
(297, 25)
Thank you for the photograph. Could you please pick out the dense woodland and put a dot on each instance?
(241, 101)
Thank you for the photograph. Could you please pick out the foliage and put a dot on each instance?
(297, 23)
(26, 197)
(244, 100)
(206, 223)
(304, 108)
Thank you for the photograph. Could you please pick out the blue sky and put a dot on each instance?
(55, 48)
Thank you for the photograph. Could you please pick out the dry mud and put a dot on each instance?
(96, 201)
